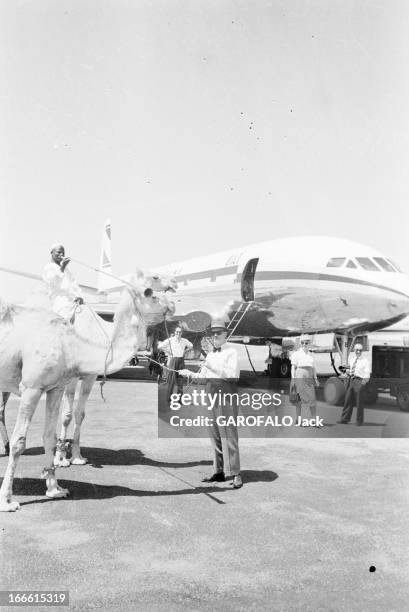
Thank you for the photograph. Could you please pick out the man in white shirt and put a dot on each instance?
(221, 370)
(175, 348)
(154, 313)
(62, 289)
(359, 374)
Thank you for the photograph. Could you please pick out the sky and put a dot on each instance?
(199, 125)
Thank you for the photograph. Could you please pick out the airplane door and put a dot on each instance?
(247, 280)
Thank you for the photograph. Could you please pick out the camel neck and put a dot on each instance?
(117, 342)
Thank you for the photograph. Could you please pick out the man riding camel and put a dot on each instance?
(62, 288)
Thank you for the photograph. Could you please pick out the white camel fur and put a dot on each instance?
(157, 284)
(41, 352)
(3, 430)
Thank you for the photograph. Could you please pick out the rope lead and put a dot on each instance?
(101, 385)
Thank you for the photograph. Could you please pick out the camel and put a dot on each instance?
(41, 352)
(154, 282)
(141, 278)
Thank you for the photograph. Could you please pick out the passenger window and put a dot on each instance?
(367, 264)
(385, 265)
(351, 264)
(336, 262)
(394, 265)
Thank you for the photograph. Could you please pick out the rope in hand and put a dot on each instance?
(162, 365)
(77, 308)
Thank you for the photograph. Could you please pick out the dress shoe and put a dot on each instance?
(237, 482)
(359, 424)
(216, 477)
(343, 422)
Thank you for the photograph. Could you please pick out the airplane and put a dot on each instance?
(285, 287)
(267, 290)
(281, 288)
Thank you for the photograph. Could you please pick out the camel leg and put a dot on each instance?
(79, 414)
(49, 439)
(60, 459)
(3, 429)
(28, 404)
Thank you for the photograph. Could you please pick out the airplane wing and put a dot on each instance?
(87, 288)
(19, 273)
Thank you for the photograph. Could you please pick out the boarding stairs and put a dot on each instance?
(238, 317)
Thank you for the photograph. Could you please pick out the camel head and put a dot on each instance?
(154, 281)
(160, 283)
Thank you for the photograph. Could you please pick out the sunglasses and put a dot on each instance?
(307, 342)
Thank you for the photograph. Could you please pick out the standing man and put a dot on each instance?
(154, 313)
(221, 370)
(359, 374)
(175, 347)
(62, 289)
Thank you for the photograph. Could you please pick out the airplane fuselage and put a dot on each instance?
(295, 285)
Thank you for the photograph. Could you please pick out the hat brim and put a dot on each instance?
(218, 327)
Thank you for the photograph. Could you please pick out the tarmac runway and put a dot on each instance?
(141, 532)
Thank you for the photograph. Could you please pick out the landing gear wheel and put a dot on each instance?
(285, 368)
(334, 391)
(402, 399)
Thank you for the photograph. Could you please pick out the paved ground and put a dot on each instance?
(140, 532)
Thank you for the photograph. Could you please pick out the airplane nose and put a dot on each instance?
(400, 305)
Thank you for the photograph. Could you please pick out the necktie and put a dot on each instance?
(354, 367)
(216, 350)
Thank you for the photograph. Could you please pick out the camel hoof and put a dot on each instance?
(11, 506)
(62, 463)
(57, 493)
(79, 461)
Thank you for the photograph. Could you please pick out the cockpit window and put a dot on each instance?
(394, 265)
(351, 264)
(367, 264)
(336, 262)
(385, 265)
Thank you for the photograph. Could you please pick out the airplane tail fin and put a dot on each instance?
(104, 283)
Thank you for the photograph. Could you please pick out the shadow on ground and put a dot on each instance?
(98, 457)
(88, 490)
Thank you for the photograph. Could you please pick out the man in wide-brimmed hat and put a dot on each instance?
(221, 370)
